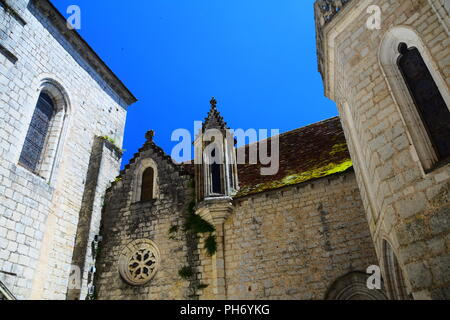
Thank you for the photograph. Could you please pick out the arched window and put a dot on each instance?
(147, 184)
(145, 181)
(216, 178)
(216, 175)
(429, 102)
(37, 132)
(45, 136)
(420, 92)
(394, 276)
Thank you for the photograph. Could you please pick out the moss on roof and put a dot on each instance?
(307, 153)
(296, 178)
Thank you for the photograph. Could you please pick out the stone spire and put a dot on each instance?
(214, 120)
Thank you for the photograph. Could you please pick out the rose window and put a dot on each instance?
(139, 262)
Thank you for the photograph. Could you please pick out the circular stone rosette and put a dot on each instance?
(139, 262)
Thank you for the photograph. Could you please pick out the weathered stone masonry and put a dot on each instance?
(39, 213)
(406, 201)
(293, 243)
(125, 220)
(307, 240)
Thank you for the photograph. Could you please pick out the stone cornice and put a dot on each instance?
(84, 50)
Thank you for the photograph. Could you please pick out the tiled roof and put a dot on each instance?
(307, 153)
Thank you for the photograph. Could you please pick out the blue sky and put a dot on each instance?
(257, 57)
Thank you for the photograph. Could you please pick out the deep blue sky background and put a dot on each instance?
(257, 57)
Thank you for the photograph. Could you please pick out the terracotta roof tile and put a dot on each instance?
(307, 153)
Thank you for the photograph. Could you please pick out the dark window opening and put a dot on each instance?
(216, 176)
(147, 184)
(37, 132)
(429, 101)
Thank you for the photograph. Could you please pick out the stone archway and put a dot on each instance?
(353, 286)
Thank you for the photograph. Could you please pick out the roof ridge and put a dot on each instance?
(292, 131)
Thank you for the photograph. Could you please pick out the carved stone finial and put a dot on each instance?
(149, 135)
(213, 102)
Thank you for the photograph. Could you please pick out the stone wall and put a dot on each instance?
(125, 220)
(293, 243)
(105, 158)
(405, 204)
(39, 217)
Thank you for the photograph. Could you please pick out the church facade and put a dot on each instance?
(365, 191)
(189, 231)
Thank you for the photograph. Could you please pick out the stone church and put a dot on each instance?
(368, 189)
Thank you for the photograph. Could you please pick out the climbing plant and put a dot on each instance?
(198, 226)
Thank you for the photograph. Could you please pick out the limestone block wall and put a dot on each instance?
(126, 219)
(105, 159)
(39, 217)
(406, 205)
(295, 242)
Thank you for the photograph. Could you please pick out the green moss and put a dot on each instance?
(327, 170)
(113, 142)
(340, 147)
(319, 172)
(108, 138)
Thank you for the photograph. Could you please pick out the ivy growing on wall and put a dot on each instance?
(185, 273)
(198, 226)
